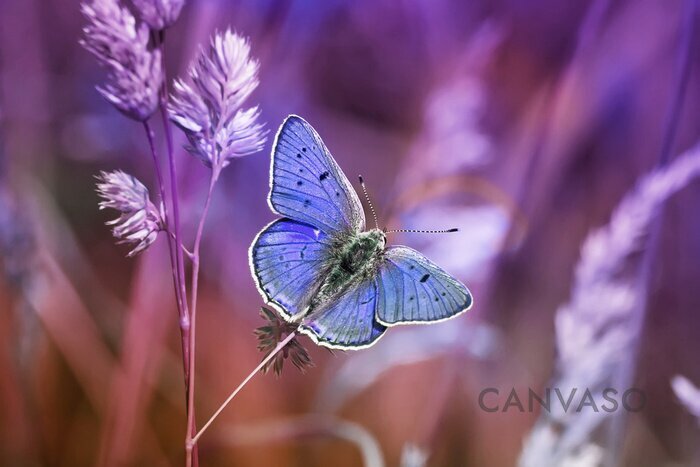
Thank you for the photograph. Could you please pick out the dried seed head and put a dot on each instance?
(272, 334)
(121, 45)
(140, 220)
(159, 14)
(208, 107)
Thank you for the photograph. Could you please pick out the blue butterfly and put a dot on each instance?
(320, 269)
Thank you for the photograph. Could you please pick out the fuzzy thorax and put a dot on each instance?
(354, 260)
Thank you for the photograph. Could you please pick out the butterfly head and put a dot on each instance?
(378, 237)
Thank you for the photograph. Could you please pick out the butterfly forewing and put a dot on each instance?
(411, 289)
(348, 321)
(306, 183)
(288, 259)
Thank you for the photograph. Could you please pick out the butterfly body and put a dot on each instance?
(354, 259)
(319, 267)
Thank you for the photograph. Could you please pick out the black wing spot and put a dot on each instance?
(437, 299)
(411, 267)
(298, 156)
(307, 203)
(425, 278)
(301, 254)
(301, 170)
(444, 294)
(300, 183)
(411, 297)
(281, 257)
(303, 149)
(266, 290)
(323, 176)
(337, 193)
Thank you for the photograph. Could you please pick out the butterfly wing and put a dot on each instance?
(307, 185)
(347, 322)
(287, 260)
(411, 289)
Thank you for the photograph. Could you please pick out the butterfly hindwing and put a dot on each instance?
(287, 260)
(347, 322)
(411, 289)
(306, 183)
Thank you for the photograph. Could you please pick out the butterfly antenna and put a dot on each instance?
(369, 202)
(423, 231)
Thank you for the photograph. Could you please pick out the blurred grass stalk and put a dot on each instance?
(560, 439)
(50, 294)
(142, 349)
(596, 330)
(626, 376)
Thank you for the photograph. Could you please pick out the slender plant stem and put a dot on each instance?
(625, 376)
(159, 37)
(193, 313)
(171, 239)
(185, 321)
(174, 246)
(269, 357)
(181, 291)
(156, 162)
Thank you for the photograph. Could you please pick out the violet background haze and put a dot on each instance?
(523, 123)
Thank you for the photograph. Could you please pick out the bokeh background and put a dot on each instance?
(523, 123)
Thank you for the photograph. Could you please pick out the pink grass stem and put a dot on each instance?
(184, 319)
(175, 250)
(191, 429)
(171, 239)
(172, 172)
(235, 392)
(192, 455)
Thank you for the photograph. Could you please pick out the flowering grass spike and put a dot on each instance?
(596, 326)
(209, 107)
(119, 43)
(140, 220)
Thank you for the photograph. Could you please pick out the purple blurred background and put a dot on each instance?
(522, 123)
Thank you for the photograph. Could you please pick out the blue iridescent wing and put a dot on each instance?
(411, 289)
(287, 261)
(347, 322)
(307, 185)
